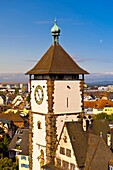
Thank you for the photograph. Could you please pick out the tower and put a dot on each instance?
(56, 85)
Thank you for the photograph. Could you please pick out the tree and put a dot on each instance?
(103, 116)
(28, 98)
(16, 90)
(8, 164)
(4, 146)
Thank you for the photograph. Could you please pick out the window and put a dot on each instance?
(24, 166)
(58, 162)
(23, 158)
(72, 166)
(62, 150)
(110, 168)
(39, 125)
(19, 131)
(67, 101)
(65, 165)
(68, 152)
(18, 141)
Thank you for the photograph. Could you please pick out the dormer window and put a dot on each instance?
(19, 131)
(18, 141)
(39, 125)
(73, 138)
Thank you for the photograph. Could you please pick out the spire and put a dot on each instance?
(55, 30)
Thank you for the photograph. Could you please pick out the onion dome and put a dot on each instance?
(55, 30)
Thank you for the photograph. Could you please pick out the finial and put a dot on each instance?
(55, 21)
(55, 30)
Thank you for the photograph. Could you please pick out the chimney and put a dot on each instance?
(109, 139)
(85, 124)
(101, 134)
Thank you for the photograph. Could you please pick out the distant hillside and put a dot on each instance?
(13, 77)
(91, 79)
(98, 79)
(100, 83)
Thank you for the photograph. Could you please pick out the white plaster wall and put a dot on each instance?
(43, 107)
(67, 145)
(97, 111)
(62, 119)
(73, 94)
(26, 162)
(1, 101)
(38, 139)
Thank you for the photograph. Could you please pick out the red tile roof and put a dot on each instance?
(98, 104)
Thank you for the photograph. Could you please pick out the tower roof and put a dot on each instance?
(56, 61)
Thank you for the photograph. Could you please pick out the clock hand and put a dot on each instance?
(38, 94)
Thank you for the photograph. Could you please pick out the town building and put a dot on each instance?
(19, 148)
(84, 148)
(15, 117)
(99, 106)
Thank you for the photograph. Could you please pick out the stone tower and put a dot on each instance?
(56, 87)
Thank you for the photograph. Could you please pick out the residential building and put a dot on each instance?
(15, 117)
(82, 148)
(108, 110)
(23, 162)
(99, 106)
(19, 148)
(8, 127)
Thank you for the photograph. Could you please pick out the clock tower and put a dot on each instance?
(56, 88)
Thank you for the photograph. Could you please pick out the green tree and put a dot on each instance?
(1, 93)
(103, 116)
(8, 164)
(4, 146)
(111, 117)
(16, 90)
(28, 98)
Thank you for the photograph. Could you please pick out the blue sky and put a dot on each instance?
(86, 33)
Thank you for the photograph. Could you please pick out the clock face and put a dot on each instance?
(39, 94)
